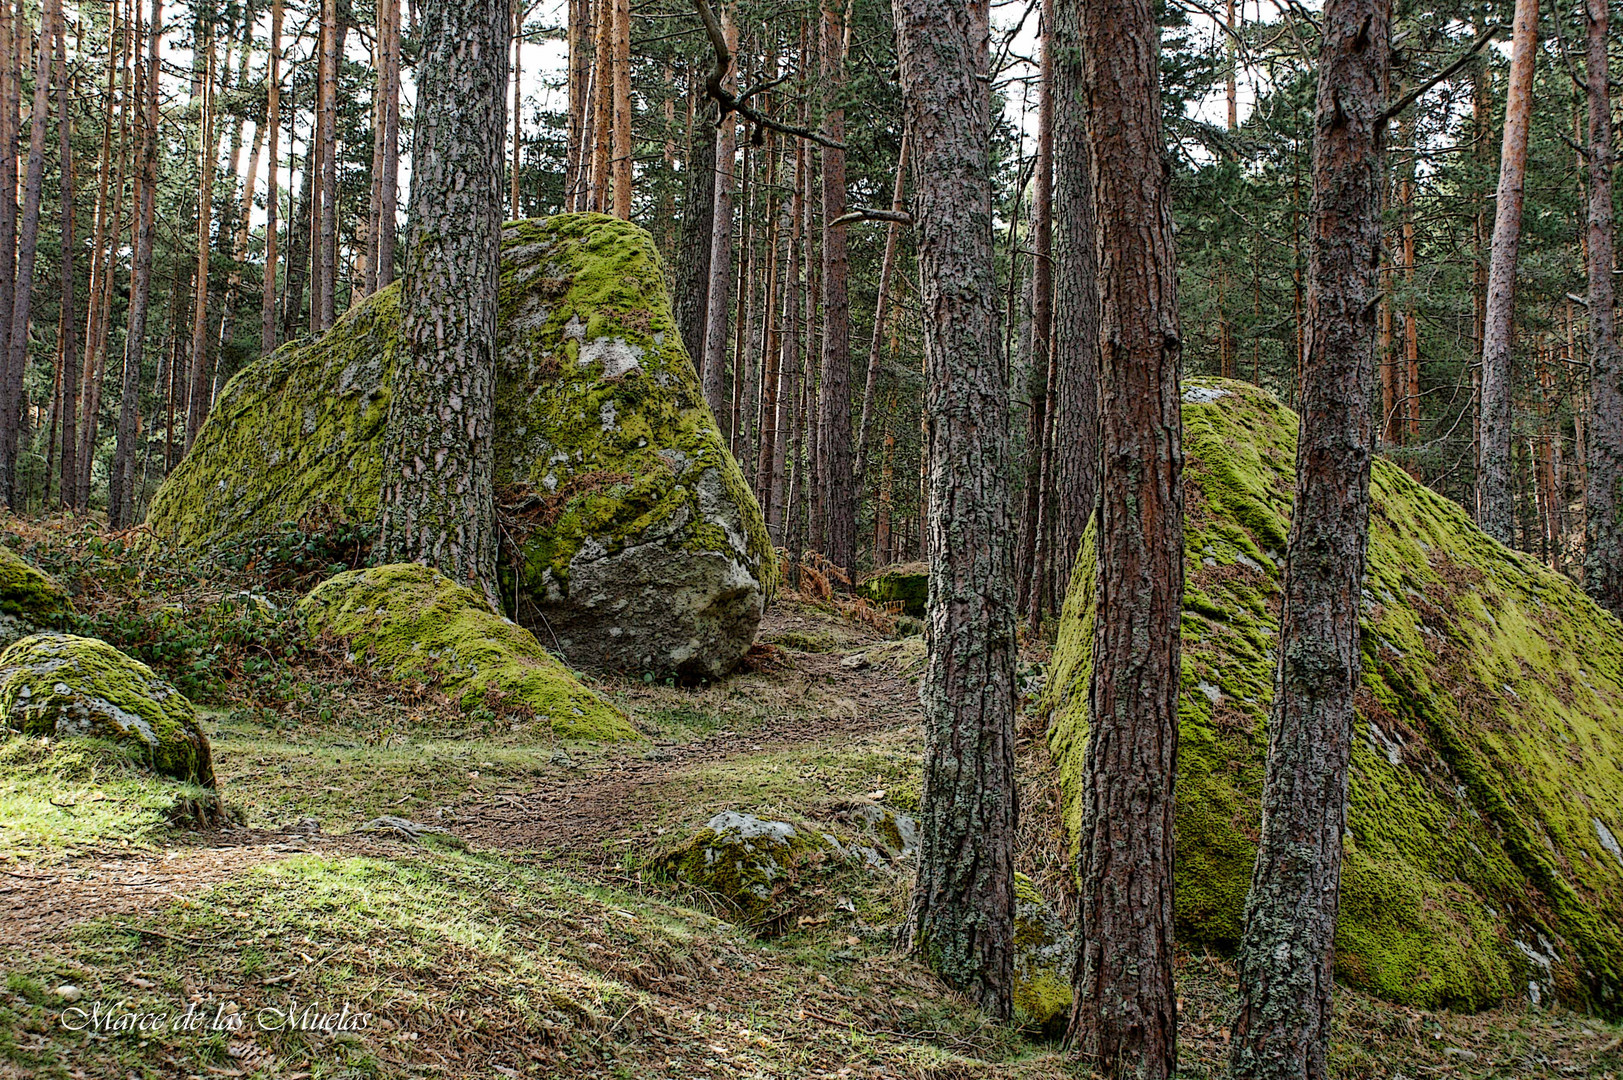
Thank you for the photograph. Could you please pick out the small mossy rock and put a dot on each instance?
(1484, 788)
(746, 861)
(417, 624)
(884, 837)
(639, 546)
(30, 600)
(1044, 951)
(62, 686)
(907, 584)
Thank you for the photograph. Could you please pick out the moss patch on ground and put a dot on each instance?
(419, 625)
(1481, 853)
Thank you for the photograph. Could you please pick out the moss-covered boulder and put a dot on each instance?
(1480, 859)
(637, 544)
(907, 584)
(62, 686)
(29, 599)
(417, 624)
(1044, 950)
(747, 862)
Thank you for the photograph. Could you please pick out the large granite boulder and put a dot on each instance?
(61, 686)
(30, 600)
(1480, 858)
(636, 543)
(414, 623)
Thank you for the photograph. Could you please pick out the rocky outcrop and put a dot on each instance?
(1480, 861)
(61, 686)
(29, 600)
(747, 862)
(417, 624)
(635, 542)
(907, 584)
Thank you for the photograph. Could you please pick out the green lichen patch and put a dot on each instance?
(29, 599)
(633, 535)
(907, 584)
(754, 866)
(66, 687)
(418, 625)
(1481, 858)
(1044, 949)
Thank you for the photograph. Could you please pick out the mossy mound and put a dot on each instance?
(29, 599)
(1480, 859)
(1044, 950)
(635, 541)
(417, 624)
(749, 863)
(61, 686)
(907, 584)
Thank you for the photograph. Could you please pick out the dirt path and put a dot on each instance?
(617, 797)
(571, 811)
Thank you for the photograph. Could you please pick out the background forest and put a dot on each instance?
(273, 148)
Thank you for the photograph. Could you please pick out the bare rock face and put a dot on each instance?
(631, 541)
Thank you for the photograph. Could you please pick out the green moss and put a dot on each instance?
(908, 585)
(750, 864)
(603, 442)
(419, 625)
(28, 594)
(1484, 776)
(62, 686)
(1043, 953)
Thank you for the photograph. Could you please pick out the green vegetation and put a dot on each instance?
(1484, 784)
(62, 686)
(418, 625)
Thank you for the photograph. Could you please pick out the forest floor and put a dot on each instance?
(531, 938)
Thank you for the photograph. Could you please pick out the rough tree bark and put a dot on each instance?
(1495, 495)
(1033, 553)
(68, 317)
(438, 498)
(197, 394)
(1603, 566)
(1125, 1017)
(692, 285)
(887, 268)
(388, 208)
(1286, 962)
(325, 303)
(623, 148)
(27, 250)
(834, 403)
(713, 369)
(121, 495)
(273, 118)
(962, 907)
(1076, 301)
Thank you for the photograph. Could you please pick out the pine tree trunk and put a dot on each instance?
(1286, 958)
(713, 370)
(388, 209)
(887, 268)
(1039, 493)
(12, 402)
(692, 286)
(197, 396)
(602, 106)
(273, 119)
(1076, 302)
(579, 37)
(1603, 559)
(623, 148)
(1125, 1018)
(68, 316)
(789, 363)
(121, 495)
(438, 498)
(333, 33)
(1496, 510)
(834, 418)
(961, 919)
